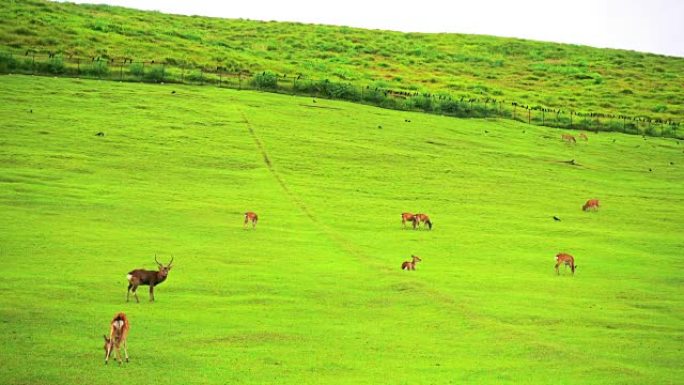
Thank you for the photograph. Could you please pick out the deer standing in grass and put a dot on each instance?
(424, 219)
(251, 216)
(408, 217)
(568, 138)
(118, 333)
(567, 260)
(147, 277)
(412, 264)
(592, 204)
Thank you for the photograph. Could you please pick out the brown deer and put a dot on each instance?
(568, 138)
(250, 216)
(408, 217)
(147, 277)
(412, 264)
(424, 219)
(567, 260)
(592, 204)
(118, 332)
(583, 136)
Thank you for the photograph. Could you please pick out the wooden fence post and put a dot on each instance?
(529, 116)
(571, 112)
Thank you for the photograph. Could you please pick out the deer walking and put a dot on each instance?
(411, 265)
(251, 216)
(147, 277)
(118, 334)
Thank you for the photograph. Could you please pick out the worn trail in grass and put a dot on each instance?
(315, 293)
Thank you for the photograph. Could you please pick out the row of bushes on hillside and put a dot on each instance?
(269, 81)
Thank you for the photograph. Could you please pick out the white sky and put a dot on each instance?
(641, 25)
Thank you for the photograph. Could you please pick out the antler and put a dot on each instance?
(155, 259)
(171, 261)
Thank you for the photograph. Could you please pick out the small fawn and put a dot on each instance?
(412, 264)
(251, 216)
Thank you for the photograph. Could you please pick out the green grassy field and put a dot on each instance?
(315, 294)
(564, 76)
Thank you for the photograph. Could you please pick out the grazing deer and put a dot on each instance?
(147, 277)
(592, 204)
(568, 138)
(408, 217)
(118, 332)
(583, 136)
(250, 216)
(424, 219)
(411, 265)
(567, 259)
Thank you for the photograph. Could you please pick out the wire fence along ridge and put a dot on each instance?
(153, 71)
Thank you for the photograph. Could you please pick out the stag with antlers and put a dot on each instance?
(151, 278)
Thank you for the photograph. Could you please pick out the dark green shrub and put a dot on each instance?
(452, 107)
(423, 102)
(96, 68)
(304, 86)
(137, 69)
(54, 65)
(8, 62)
(154, 74)
(373, 95)
(265, 81)
(338, 90)
(651, 130)
(659, 108)
(195, 76)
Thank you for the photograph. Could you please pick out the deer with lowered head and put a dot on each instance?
(150, 278)
(118, 334)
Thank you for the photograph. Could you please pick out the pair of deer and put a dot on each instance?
(119, 327)
(571, 139)
(416, 219)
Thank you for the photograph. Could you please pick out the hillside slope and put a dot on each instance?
(533, 73)
(315, 294)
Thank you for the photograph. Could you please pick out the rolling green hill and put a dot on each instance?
(533, 73)
(315, 294)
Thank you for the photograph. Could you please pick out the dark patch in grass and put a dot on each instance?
(435, 143)
(571, 162)
(324, 107)
(251, 339)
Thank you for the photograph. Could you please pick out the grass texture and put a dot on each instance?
(315, 294)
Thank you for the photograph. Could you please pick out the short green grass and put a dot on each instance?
(315, 295)
(564, 76)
